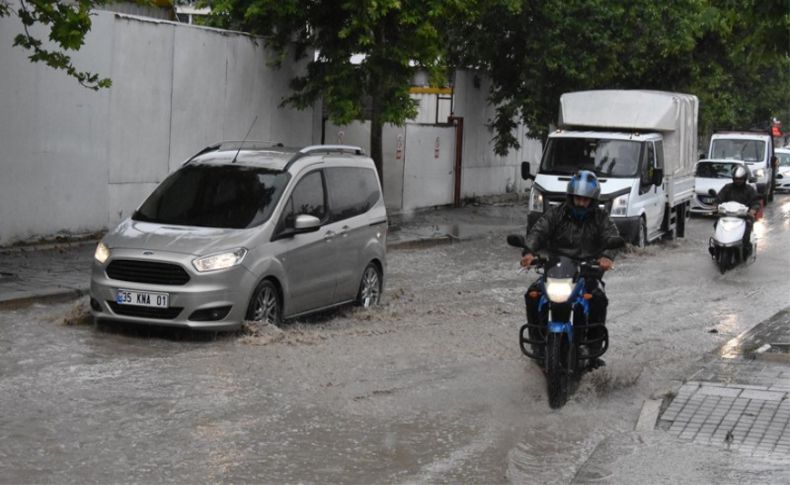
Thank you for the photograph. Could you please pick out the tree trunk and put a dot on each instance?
(376, 131)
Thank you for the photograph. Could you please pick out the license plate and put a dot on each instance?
(142, 298)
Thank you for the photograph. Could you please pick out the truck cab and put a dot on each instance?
(640, 145)
(630, 168)
(754, 148)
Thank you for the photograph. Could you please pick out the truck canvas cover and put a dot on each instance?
(673, 115)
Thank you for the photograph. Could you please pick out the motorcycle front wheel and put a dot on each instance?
(557, 369)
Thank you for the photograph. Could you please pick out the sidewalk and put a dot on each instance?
(61, 270)
(728, 422)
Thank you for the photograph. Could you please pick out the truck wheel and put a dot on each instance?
(641, 236)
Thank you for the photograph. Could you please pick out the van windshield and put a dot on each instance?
(733, 149)
(715, 170)
(223, 196)
(607, 158)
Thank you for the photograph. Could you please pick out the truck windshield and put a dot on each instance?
(607, 158)
(734, 149)
(223, 196)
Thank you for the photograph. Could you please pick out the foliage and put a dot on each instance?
(68, 23)
(391, 38)
(731, 53)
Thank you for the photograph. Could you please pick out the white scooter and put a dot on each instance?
(726, 246)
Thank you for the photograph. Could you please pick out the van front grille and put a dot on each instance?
(147, 272)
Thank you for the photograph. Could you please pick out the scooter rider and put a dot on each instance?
(578, 229)
(739, 191)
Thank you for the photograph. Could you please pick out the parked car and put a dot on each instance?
(247, 232)
(713, 174)
(783, 170)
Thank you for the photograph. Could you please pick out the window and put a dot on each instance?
(352, 191)
(649, 165)
(607, 158)
(307, 198)
(225, 196)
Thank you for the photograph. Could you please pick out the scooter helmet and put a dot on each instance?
(739, 175)
(584, 184)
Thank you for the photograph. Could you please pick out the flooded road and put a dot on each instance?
(428, 388)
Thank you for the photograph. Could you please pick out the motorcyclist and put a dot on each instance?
(739, 191)
(578, 229)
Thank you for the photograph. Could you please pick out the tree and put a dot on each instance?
(731, 53)
(68, 21)
(394, 38)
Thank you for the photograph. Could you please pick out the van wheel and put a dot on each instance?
(265, 304)
(641, 237)
(369, 287)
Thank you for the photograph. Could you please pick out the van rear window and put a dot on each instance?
(223, 196)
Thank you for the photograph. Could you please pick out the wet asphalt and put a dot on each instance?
(428, 388)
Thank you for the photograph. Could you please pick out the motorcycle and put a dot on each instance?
(726, 247)
(560, 336)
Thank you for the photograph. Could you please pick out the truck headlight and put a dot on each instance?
(559, 290)
(102, 253)
(620, 205)
(535, 200)
(219, 261)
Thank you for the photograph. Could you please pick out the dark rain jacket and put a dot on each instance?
(560, 233)
(745, 194)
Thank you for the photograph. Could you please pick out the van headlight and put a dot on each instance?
(620, 205)
(559, 290)
(535, 200)
(759, 173)
(102, 253)
(219, 261)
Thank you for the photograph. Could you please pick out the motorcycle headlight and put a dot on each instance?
(535, 200)
(102, 253)
(620, 205)
(559, 290)
(216, 262)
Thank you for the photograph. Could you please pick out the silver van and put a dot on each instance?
(247, 232)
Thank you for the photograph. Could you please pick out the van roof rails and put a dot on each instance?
(332, 148)
(237, 145)
(311, 149)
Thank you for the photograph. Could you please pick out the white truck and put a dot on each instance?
(641, 144)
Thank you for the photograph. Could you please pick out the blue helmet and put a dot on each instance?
(584, 184)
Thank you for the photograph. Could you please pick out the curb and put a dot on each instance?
(51, 295)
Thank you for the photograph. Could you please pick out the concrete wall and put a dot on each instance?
(76, 161)
(483, 172)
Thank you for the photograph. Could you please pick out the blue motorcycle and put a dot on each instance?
(558, 333)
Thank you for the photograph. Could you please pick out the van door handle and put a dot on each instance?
(344, 230)
(329, 235)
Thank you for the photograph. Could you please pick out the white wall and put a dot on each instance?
(414, 179)
(75, 160)
(483, 172)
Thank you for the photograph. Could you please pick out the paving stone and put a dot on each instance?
(763, 394)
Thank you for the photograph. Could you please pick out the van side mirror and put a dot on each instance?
(306, 223)
(525, 171)
(658, 176)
